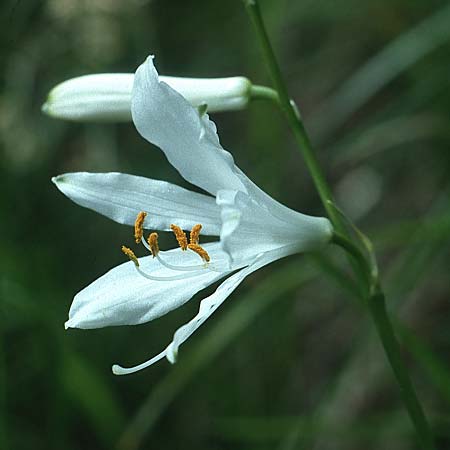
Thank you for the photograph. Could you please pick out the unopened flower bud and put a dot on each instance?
(107, 97)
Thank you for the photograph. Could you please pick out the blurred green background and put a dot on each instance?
(291, 360)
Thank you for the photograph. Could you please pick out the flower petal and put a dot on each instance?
(207, 307)
(121, 197)
(313, 231)
(210, 304)
(249, 229)
(123, 297)
(190, 142)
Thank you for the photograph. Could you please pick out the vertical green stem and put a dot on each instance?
(293, 118)
(373, 295)
(358, 257)
(292, 115)
(377, 307)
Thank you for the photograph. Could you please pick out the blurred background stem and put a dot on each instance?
(375, 297)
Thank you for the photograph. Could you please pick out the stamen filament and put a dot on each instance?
(171, 266)
(146, 245)
(172, 278)
(182, 268)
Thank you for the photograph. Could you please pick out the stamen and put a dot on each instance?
(139, 226)
(173, 278)
(200, 251)
(171, 266)
(153, 244)
(181, 268)
(194, 237)
(130, 255)
(180, 236)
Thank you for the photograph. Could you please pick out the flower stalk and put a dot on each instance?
(363, 266)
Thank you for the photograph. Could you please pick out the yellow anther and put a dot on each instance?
(180, 235)
(194, 237)
(153, 243)
(130, 255)
(200, 251)
(139, 226)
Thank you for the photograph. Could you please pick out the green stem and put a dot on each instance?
(377, 307)
(292, 115)
(295, 122)
(364, 270)
(364, 267)
(263, 93)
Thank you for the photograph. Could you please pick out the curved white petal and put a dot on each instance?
(121, 197)
(210, 304)
(249, 228)
(314, 231)
(189, 141)
(207, 307)
(123, 297)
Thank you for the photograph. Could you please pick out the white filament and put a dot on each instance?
(171, 266)
(173, 278)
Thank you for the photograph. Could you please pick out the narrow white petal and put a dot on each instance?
(207, 307)
(121, 197)
(123, 297)
(119, 370)
(190, 142)
(210, 304)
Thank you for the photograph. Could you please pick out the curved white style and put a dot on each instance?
(254, 229)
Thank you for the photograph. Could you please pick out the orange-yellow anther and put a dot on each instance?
(139, 226)
(153, 243)
(194, 237)
(200, 251)
(130, 255)
(180, 236)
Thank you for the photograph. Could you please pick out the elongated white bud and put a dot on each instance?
(107, 97)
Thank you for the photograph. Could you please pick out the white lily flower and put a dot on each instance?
(107, 96)
(254, 229)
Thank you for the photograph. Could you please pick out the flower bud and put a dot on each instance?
(107, 97)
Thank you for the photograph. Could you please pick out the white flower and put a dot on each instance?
(254, 229)
(107, 96)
